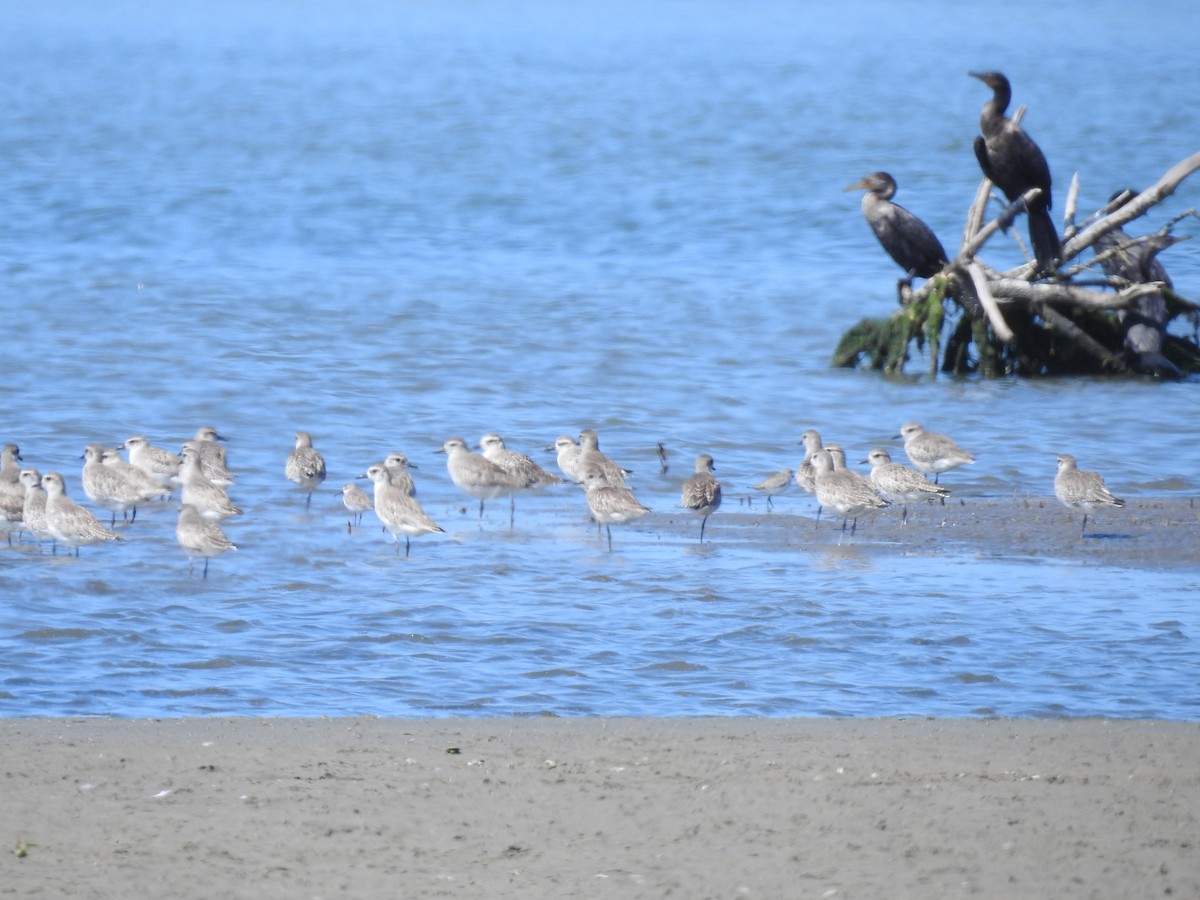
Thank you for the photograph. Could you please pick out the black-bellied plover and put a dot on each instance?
(212, 454)
(590, 458)
(805, 474)
(897, 483)
(1078, 489)
(109, 487)
(931, 452)
(161, 465)
(398, 465)
(399, 512)
(774, 485)
(68, 522)
(517, 465)
(356, 503)
(567, 450)
(34, 510)
(701, 491)
(12, 492)
(476, 476)
(305, 466)
(200, 536)
(210, 500)
(611, 503)
(844, 492)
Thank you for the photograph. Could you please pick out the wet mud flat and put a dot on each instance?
(1147, 533)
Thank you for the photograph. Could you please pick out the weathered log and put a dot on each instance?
(1021, 321)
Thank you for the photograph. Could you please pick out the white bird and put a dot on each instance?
(33, 511)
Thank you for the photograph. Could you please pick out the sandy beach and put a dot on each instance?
(551, 808)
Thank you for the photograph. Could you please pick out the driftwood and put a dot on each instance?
(1029, 323)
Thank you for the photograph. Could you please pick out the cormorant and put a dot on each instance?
(1014, 163)
(908, 240)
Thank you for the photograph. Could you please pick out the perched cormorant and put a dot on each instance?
(908, 240)
(1014, 163)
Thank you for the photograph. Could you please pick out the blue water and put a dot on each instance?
(393, 223)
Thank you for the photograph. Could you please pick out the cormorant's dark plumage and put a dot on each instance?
(908, 240)
(1014, 163)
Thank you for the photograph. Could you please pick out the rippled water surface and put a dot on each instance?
(397, 223)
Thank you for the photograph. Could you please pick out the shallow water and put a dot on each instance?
(389, 228)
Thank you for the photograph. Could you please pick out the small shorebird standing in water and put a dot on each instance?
(774, 485)
(702, 492)
(398, 510)
(611, 504)
(844, 492)
(356, 502)
(305, 466)
(68, 522)
(930, 452)
(478, 477)
(895, 482)
(518, 465)
(198, 536)
(1078, 489)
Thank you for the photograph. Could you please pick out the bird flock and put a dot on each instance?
(38, 505)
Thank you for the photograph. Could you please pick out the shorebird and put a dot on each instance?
(476, 476)
(356, 502)
(518, 465)
(199, 536)
(159, 464)
(591, 458)
(805, 473)
(210, 500)
(844, 492)
(930, 452)
(398, 465)
(897, 483)
(212, 454)
(611, 503)
(33, 511)
(109, 486)
(568, 450)
(10, 464)
(701, 491)
(774, 485)
(399, 512)
(67, 521)
(305, 466)
(1078, 489)
(12, 493)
